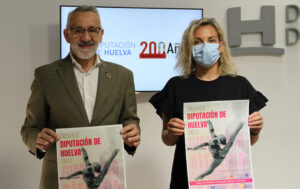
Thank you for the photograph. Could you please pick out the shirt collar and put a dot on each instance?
(76, 64)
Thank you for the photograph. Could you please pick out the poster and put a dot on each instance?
(217, 144)
(90, 158)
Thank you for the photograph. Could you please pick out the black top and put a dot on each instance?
(177, 91)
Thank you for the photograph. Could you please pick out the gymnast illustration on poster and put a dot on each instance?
(89, 173)
(214, 145)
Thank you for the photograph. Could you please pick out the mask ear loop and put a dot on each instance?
(220, 49)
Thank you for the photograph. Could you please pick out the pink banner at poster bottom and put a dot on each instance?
(227, 181)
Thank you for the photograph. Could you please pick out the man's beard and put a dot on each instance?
(84, 54)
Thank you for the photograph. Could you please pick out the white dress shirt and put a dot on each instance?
(87, 84)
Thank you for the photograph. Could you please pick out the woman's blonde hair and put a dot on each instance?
(185, 62)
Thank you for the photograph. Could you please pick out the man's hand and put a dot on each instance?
(45, 139)
(131, 135)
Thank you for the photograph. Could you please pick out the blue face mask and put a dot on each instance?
(206, 54)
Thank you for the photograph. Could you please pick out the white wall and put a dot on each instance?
(29, 38)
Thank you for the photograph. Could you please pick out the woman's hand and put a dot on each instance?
(172, 130)
(175, 126)
(255, 122)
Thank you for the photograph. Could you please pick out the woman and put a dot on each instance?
(207, 74)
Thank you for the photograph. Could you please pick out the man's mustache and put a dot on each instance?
(86, 43)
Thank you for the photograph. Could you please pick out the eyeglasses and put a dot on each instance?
(79, 31)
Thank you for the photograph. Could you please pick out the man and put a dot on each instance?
(80, 90)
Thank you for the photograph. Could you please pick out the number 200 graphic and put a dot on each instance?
(154, 50)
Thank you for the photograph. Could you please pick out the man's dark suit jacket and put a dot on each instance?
(56, 102)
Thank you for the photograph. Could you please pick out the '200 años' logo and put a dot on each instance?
(158, 51)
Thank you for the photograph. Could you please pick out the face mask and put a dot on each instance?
(206, 54)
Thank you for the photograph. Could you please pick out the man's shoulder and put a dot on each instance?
(115, 67)
(52, 66)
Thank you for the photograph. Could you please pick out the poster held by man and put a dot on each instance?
(91, 157)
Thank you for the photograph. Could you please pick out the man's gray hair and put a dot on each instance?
(83, 8)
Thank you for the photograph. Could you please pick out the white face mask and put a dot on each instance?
(206, 54)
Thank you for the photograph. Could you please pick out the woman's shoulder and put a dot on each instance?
(176, 80)
(173, 86)
(235, 79)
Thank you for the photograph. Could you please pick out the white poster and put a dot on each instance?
(217, 139)
(91, 157)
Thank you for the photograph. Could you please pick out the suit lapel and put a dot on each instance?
(67, 75)
(102, 88)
